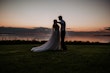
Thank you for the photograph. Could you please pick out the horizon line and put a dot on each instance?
(51, 28)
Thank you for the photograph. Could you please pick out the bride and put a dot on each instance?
(53, 43)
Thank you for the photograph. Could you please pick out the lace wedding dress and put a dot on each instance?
(52, 44)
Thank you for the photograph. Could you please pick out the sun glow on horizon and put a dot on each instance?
(79, 15)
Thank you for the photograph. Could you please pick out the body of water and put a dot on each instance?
(103, 39)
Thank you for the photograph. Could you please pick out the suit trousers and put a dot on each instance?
(63, 46)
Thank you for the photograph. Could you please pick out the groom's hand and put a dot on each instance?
(59, 22)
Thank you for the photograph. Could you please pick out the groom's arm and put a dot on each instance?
(59, 22)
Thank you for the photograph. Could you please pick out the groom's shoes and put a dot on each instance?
(65, 48)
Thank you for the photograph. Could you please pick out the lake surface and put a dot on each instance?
(92, 38)
(102, 39)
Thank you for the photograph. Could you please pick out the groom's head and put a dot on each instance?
(60, 17)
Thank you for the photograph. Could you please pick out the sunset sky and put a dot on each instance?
(80, 15)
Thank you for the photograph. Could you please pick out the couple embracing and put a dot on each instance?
(54, 42)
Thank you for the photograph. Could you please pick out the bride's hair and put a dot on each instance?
(55, 21)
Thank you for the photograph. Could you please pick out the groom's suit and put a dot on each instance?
(63, 32)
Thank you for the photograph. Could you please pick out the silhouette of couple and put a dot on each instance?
(54, 42)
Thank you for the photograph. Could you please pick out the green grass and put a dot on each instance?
(78, 59)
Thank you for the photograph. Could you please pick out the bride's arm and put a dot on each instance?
(53, 29)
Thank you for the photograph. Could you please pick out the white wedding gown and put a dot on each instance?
(52, 44)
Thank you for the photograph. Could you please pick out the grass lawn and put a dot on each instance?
(78, 59)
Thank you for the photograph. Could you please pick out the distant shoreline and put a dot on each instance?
(102, 35)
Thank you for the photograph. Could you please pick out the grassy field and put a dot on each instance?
(78, 59)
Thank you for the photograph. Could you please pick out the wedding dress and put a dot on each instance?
(52, 44)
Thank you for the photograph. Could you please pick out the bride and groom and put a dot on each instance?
(54, 42)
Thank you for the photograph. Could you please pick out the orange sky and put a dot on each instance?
(80, 15)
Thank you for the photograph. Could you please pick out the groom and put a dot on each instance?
(63, 32)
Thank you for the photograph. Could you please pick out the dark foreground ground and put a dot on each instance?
(78, 59)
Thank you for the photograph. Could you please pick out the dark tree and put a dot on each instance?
(108, 28)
